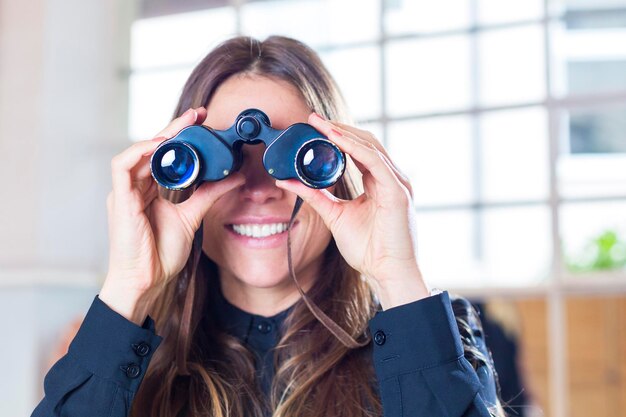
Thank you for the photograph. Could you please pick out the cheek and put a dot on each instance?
(317, 236)
(213, 232)
(209, 242)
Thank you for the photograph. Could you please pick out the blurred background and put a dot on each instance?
(508, 115)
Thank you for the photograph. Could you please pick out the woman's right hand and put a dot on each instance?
(150, 238)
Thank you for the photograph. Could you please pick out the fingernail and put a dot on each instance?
(190, 111)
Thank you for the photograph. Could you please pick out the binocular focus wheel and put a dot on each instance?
(248, 127)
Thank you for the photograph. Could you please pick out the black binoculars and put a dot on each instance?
(199, 153)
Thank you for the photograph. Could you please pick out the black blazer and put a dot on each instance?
(417, 353)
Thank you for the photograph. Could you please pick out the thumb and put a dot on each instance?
(323, 202)
(196, 207)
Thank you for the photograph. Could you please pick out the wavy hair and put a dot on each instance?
(199, 370)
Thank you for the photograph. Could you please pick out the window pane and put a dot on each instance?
(501, 247)
(592, 175)
(153, 8)
(511, 66)
(406, 16)
(593, 152)
(595, 19)
(437, 156)
(588, 61)
(594, 235)
(498, 11)
(514, 155)
(152, 99)
(518, 248)
(427, 76)
(593, 77)
(357, 72)
(598, 130)
(315, 22)
(444, 242)
(180, 39)
(587, 5)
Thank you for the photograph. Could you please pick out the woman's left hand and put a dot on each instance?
(375, 232)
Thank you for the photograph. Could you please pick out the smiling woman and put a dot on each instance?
(249, 262)
(232, 335)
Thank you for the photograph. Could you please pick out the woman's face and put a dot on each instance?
(244, 230)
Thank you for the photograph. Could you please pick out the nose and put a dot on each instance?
(259, 187)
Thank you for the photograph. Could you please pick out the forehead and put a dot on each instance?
(280, 100)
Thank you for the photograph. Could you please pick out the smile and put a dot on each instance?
(259, 231)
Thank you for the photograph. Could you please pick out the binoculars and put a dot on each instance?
(199, 153)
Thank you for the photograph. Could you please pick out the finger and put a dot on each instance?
(186, 119)
(367, 136)
(358, 165)
(363, 134)
(141, 178)
(360, 151)
(202, 113)
(404, 179)
(123, 163)
(143, 186)
(142, 170)
(196, 207)
(150, 191)
(328, 206)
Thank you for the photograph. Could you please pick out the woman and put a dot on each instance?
(235, 336)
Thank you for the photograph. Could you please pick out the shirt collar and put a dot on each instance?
(260, 332)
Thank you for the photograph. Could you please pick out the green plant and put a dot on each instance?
(607, 251)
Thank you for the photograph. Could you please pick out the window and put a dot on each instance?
(465, 100)
(509, 117)
(164, 50)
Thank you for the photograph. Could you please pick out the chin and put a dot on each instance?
(261, 273)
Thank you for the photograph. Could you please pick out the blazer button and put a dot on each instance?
(380, 338)
(132, 370)
(142, 349)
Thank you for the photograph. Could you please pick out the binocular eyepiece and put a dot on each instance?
(199, 153)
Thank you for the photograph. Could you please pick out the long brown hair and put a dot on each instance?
(199, 370)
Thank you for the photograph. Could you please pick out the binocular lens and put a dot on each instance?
(175, 165)
(320, 162)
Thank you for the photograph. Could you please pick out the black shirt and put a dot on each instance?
(260, 334)
(417, 354)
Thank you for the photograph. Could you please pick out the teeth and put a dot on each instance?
(260, 230)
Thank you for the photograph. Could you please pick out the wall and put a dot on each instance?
(63, 115)
(596, 347)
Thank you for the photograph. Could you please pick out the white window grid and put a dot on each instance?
(561, 283)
